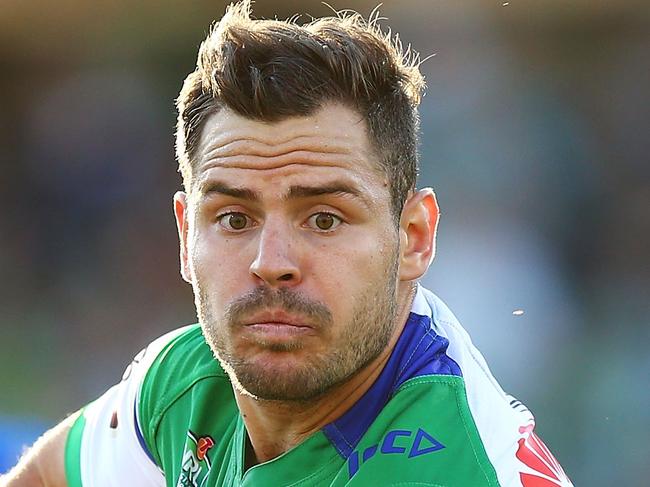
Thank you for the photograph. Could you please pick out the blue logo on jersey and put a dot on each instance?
(396, 442)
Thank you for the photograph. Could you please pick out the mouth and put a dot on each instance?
(277, 317)
(278, 325)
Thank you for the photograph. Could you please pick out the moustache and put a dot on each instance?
(292, 302)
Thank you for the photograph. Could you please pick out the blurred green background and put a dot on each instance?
(535, 136)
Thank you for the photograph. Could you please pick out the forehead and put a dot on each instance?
(331, 142)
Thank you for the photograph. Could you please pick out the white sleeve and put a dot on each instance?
(112, 451)
(504, 424)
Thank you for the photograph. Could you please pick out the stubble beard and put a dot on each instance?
(358, 343)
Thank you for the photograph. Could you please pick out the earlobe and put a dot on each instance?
(418, 227)
(180, 212)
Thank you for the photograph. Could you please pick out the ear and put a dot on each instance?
(181, 213)
(418, 226)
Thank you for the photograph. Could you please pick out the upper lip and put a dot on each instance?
(276, 316)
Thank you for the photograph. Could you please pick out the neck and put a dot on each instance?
(275, 427)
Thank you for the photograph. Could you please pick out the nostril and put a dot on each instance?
(285, 277)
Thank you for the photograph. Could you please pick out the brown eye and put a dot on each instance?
(324, 221)
(237, 221)
(234, 221)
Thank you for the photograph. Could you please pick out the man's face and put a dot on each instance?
(292, 250)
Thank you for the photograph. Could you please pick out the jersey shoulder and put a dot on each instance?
(183, 361)
(501, 424)
(119, 427)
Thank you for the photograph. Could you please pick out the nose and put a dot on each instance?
(276, 262)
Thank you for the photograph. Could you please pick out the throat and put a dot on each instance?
(265, 449)
(250, 459)
(271, 428)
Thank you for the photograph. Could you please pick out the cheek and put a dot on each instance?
(217, 267)
(367, 253)
(349, 271)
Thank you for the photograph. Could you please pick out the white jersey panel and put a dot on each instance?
(112, 454)
(504, 424)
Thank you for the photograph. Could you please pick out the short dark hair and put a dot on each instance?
(271, 70)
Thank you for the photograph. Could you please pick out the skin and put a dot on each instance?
(326, 277)
(43, 464)
(294, 371)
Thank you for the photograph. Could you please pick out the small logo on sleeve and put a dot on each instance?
(196, 465)
(202, 447)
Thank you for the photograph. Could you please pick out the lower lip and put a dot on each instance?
(279, 330)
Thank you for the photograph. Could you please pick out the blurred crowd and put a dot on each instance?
(534, 136)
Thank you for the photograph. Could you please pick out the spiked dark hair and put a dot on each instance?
(271, 70)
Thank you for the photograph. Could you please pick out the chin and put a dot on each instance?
(282, 379)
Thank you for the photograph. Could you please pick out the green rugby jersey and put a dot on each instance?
(434, 417)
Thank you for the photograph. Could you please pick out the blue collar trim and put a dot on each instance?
(419, 351)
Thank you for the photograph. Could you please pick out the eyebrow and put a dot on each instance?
(336, 188)
(218, 187)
